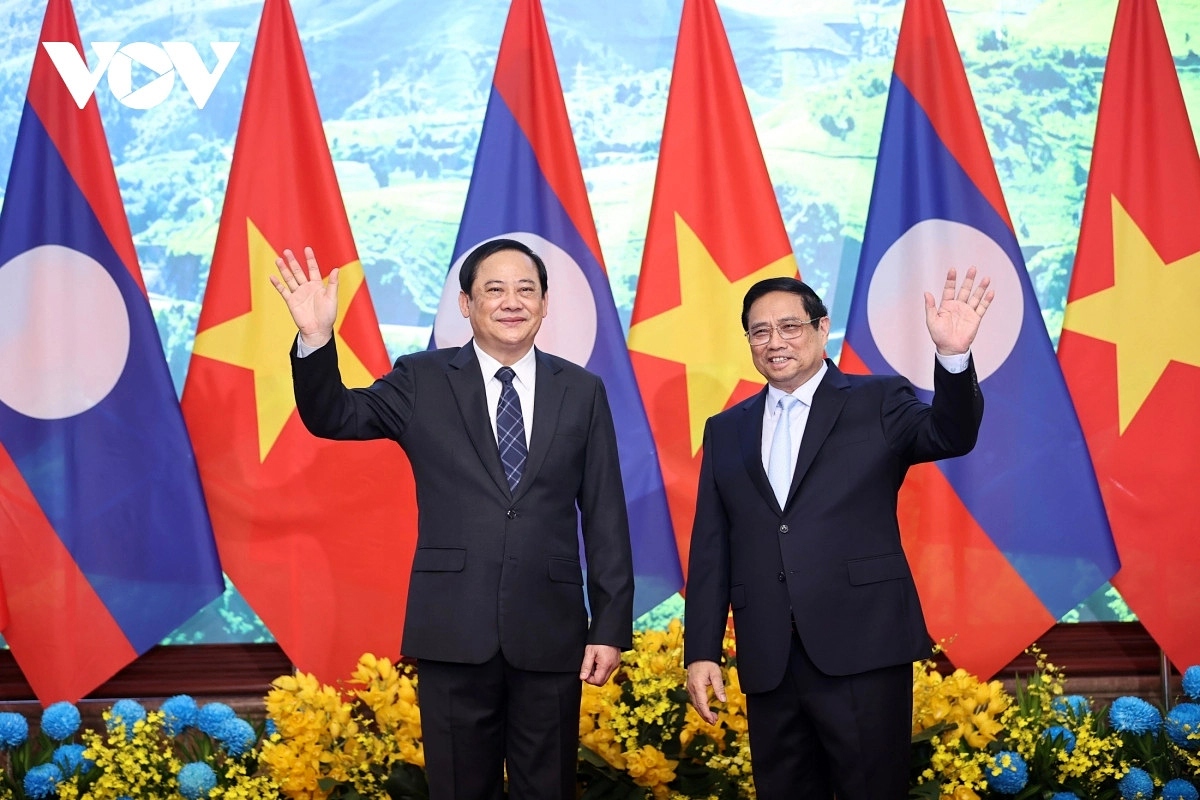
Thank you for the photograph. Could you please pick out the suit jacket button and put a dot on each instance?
(781, 577)
(512, 514)
(783, 528)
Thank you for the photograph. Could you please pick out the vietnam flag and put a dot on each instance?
(105, 543)
(1006, 540)
(527, 185)
(714, 230)
(1130, 346)
(316, 535)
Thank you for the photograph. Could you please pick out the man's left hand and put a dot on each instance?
(954, 322)
(599, 663)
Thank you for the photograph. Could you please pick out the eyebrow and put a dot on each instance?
(777, 322)
(519, 282)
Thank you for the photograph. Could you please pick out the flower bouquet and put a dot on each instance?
(973, 740)
(180, 749)
(638, 732)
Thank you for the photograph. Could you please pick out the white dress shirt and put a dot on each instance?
(526, 369)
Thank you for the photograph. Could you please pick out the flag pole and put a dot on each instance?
(1164, 669)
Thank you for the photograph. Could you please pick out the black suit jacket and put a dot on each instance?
(832, 554)
(494, 569)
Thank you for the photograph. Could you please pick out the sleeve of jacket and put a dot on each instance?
(605, 526)
(947, 428)
(706, 607)
(331, 411)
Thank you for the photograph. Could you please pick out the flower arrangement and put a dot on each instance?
(181, 749)
(972, 740)
(365, 742)
(639, 738)
(639, 731)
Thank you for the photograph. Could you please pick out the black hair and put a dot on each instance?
(470, 265)
(812, 303)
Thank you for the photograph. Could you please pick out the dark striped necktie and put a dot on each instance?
(510, 429)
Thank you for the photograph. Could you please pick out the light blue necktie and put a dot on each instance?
(510, 429)
(779, 461)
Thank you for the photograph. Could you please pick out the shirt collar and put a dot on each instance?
(525, 367)
(804, 393)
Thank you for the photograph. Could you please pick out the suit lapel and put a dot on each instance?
(750, 427)
(548, 393)
(827, 405)
(466, 382)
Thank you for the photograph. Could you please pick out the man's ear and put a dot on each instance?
(464, 304)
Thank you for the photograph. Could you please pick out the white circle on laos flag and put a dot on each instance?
(917, 262)
(64, 332)
(569, 329)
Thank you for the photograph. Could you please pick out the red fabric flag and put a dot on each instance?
(317, 535)
(714, 230)
(1130, 346)
(937, 202)
(3, 606)
(105, 540)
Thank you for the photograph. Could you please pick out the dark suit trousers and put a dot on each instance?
(476, 719)
(815, 735)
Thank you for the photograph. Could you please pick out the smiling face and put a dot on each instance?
(786, 363)
(506, 305)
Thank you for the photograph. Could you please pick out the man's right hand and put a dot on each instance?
(701, 675)
(312, 302)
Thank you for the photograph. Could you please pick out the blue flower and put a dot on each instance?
(270, 728)
(179, 714)
(1008, 773)
(14, 730)
(60, 721)
(1179, 789)
(127, 713)
(1191, 682)
(1064, 796)
(42, 781)
(1134, 715)
(196, 780)
(1136, 785)
(69, 758)
(1061, 736)
(1075, 705)
(237, 735)
(212, 715)
(1183, 725)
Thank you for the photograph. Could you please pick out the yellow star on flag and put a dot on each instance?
(255, 340)
(1149, 313)
(704, 331)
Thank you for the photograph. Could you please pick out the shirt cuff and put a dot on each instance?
(302, 350)
(952, 364)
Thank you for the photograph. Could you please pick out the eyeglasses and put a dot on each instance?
(788, 330)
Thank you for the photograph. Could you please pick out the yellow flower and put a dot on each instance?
(649, 767)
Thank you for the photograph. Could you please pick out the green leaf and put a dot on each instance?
(406, 782)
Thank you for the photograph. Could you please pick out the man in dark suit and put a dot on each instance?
(796, 530)
(512, 449)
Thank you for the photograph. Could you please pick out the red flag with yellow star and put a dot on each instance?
(1130, 346)
(316, 535)
(715, 230)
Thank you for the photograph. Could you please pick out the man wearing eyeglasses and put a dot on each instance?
(796, 530)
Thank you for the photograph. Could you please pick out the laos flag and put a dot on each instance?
(1006, 540)
(527, 185)
(105, 543)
